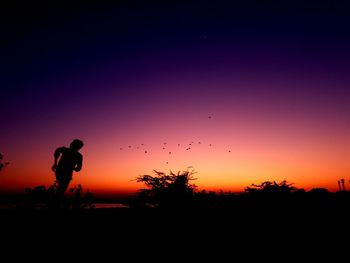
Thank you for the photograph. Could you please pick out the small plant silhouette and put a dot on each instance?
(167, 190)
(79, 201)
(42, 197)
(273, 194)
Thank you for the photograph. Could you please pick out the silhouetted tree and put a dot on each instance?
(167, 190)
(2, 163)
(271, 192)
(319, 194)
(319, 191)
(269, 187)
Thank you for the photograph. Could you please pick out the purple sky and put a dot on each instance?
(111, 71)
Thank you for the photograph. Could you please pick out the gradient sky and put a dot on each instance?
(272, 77)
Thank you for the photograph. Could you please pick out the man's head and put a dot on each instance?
(76, 144)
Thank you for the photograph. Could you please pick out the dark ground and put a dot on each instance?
(188, 234)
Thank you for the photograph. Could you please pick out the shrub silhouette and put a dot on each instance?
(42, 197)
(274, 196)
(166, 190)
(271, 188)
(39, 196)
(79, 201)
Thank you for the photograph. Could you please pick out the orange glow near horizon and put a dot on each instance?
(260, 91)
(224, 160)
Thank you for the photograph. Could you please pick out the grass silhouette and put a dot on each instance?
(42, 197)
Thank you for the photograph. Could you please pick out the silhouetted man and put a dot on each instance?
(69, 160)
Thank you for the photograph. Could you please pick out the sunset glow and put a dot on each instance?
(254, 101)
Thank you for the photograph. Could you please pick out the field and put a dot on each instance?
(198, 232)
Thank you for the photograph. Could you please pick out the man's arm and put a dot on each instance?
(56, 155)
(79, 164)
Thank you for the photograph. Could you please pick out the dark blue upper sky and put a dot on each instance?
(40, 38)
(47, 43)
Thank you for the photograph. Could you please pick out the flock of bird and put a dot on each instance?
(164, 146)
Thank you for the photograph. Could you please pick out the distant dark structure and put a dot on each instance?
(343, 184)
(67, 160)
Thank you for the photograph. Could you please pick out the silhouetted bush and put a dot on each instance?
(79, 201)
(42, 197)
(166, 190)
(273, 195)
(175, 191)
(269, 187)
